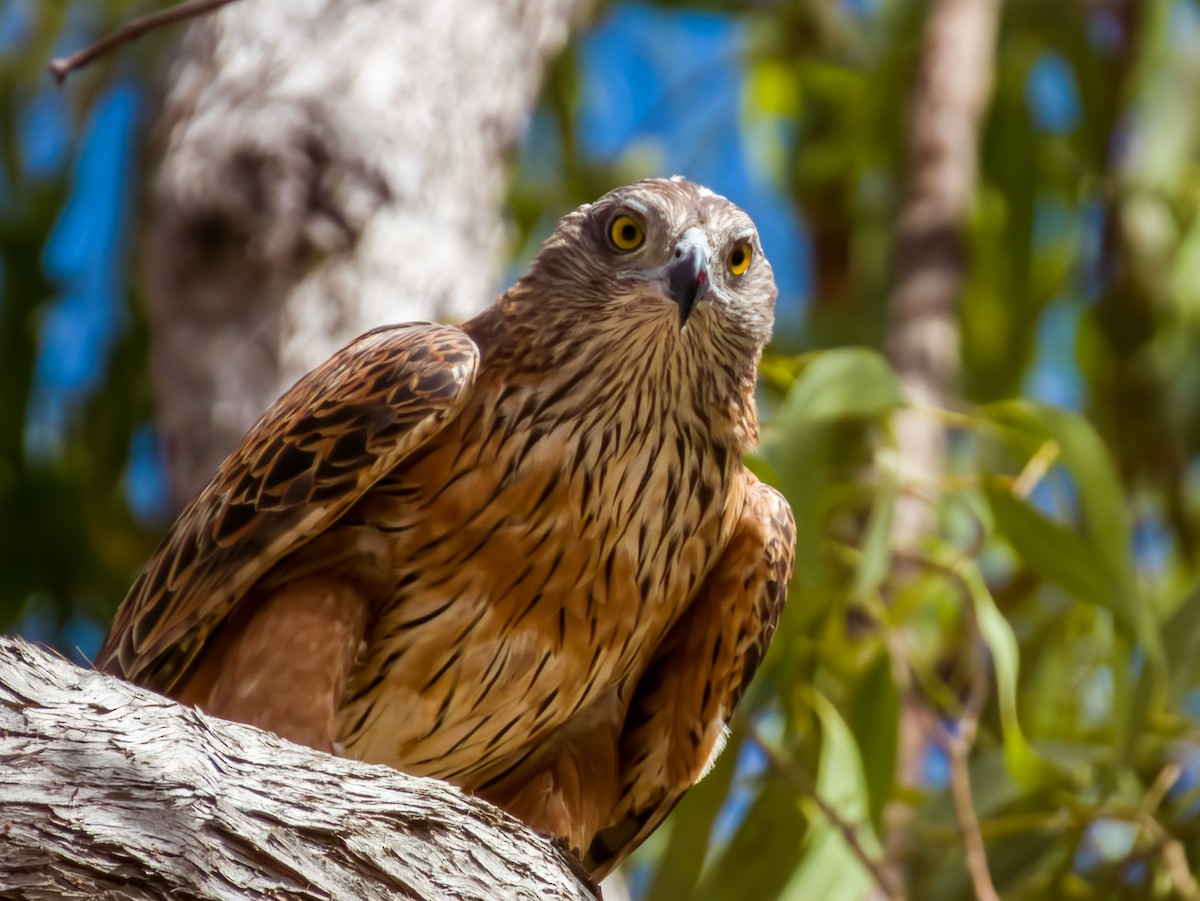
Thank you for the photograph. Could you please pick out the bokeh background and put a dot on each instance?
(1000, 698)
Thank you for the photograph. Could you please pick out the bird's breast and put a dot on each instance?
(536, 565)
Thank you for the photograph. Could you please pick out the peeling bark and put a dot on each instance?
(110, 791)
(318, 168)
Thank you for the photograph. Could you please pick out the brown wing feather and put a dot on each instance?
(308, 459)
(683, 702)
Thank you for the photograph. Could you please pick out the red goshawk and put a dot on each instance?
(523, 555)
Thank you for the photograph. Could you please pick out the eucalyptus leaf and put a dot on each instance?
(835, 389)
(1095, 562)
(831, 869)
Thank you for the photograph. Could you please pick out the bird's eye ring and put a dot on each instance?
(625, 233)
(739, 258)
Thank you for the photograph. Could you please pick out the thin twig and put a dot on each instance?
(803, 783)
(1176, 862)
(1161, 844)
(1167, 778)
(1036, 468)
(1164, 844)
(132, 30)
(958, 747)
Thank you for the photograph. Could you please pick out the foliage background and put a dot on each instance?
(1054, 606)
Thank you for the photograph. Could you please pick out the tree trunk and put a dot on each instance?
(318, 168)
(953, 87)
(954, 84)
(110, 791)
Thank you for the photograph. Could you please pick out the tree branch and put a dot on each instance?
(958, 748)
(109, 791)
(132, 30)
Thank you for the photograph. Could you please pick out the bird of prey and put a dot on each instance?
(523, 555)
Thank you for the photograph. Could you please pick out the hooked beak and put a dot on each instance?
(687, 278)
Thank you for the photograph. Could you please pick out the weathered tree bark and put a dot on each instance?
(110, 791)
(318, 168)
(951, 94)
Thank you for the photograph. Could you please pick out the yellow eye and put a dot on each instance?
(739, 259)
(626, 234)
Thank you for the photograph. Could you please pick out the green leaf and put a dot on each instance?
(1095, 563)
(875, 720)
(851, 382)
(830, 868)
(1023, 763)
(1053, 551)
(834, 389)
(1181, 639)
(1104, 519)
(876, 556)
(773, 830)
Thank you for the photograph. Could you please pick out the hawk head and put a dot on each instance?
(661, 252)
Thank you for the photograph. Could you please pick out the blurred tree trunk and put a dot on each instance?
(954, 82)
(318, 168)
(950, 96)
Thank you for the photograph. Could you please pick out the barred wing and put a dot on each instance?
(314, 453)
